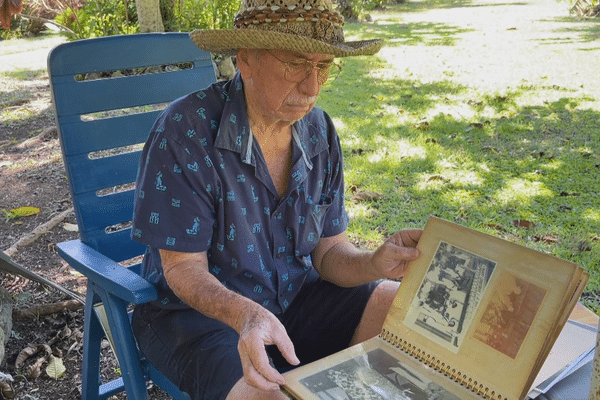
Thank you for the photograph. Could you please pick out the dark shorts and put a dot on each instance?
(200, 354)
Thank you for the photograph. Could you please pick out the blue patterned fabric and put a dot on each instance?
(203, 185)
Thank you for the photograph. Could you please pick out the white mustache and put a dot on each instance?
(303, 101)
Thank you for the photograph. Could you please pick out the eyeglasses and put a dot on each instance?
(299, 69)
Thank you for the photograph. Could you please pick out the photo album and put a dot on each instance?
(475, 317)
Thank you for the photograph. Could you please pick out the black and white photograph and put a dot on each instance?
(376, 375)
(449, 295)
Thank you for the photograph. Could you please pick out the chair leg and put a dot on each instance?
(92, 337)
(126, 348)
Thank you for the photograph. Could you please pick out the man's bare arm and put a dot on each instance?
(340, 262)
(188, 276)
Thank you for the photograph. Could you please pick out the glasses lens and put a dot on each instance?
(333, 73)
(297, 71)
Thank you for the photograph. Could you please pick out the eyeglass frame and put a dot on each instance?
(313, 65)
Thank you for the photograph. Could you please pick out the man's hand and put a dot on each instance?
(391, 259)
(258, 328)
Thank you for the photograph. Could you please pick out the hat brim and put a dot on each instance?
(228, 41)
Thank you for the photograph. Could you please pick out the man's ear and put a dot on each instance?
(243, 63)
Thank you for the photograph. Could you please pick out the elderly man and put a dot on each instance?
(240, 201)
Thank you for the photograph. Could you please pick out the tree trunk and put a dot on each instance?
(6, 308)
(149, 17)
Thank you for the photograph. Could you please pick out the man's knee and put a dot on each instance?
(242, 391)
(375, 312)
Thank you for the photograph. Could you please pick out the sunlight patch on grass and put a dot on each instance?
(522, 190)
(592, 215)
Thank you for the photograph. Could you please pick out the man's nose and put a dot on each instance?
(311, 86)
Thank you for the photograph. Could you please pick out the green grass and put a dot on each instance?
(486, 161)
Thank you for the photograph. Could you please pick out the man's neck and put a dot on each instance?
(275, 142)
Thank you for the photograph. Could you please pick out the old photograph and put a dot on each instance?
(509, 314)
(376, 375)
(449, 295)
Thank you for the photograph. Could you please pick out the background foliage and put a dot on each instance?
(94, 18)
(120, 17)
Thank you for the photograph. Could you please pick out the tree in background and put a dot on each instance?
(149, 15)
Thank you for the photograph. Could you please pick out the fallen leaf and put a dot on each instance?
(365, 196)
(7, 390)
(438, 178)
(490, 149)
(423, 126)
(519, 223)
(71, 227)
(546, 238)
(584, 246)
(24, 211)
(29, 351)
(360, 151)
(55, 368)
(35, 369)
(495, 226)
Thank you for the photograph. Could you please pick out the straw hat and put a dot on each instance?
(308, 26)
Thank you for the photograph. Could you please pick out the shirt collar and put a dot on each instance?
(234, 134)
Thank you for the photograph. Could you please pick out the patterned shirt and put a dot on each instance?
(204, 185)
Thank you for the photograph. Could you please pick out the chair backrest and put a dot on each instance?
(103, 91)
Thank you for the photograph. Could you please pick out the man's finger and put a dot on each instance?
(254, 377)
(257, 355)
(410, 237)
(286, 347)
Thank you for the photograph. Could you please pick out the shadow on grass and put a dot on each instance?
(576, 30)
(410, 34)
(22, 111)
(420, 6)
(24, 74)
(538, 163)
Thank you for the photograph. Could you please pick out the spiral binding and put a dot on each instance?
(440, 366)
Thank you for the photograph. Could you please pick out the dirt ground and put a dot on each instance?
(499, 44)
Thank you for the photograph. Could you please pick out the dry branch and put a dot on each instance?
(45, 309)
(40, 137)
(37, 232)
(48, 21)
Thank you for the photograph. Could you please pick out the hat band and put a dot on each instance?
(275, 15)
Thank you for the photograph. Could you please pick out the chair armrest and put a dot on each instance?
(107, 274)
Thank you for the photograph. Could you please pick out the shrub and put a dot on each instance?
(101, 18)
(32, 20)
(187, 15)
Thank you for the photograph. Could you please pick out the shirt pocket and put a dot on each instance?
(310, 228)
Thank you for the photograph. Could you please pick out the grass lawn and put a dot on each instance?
(521, 163)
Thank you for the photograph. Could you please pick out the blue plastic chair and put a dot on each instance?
(101, 170)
